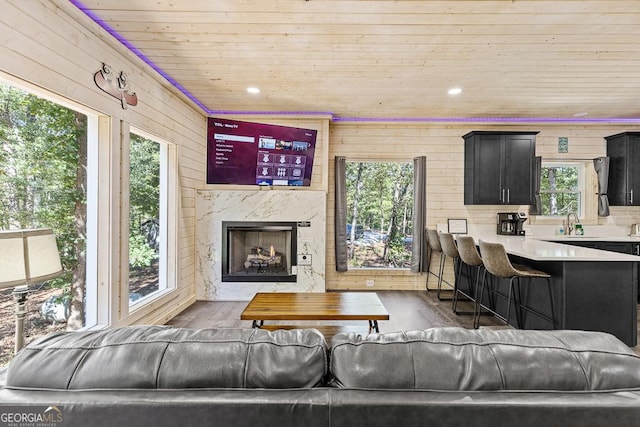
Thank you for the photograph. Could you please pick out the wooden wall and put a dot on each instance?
(443, 146)
(53, 46)
(56, 47)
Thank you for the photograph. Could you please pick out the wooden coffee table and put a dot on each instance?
(315, 306)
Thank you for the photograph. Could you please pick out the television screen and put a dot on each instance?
(258, 154)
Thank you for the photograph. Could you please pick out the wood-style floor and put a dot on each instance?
(408, 310)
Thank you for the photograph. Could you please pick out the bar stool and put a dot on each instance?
(449, 249)
(470, 257)
(497, 263)
(434, 244)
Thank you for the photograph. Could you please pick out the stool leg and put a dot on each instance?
(517, 302)
(490, 294)
(426, 285)
(553, 310)
(509, 303)
(475, 286)
(454, 304)
(470, 291)
(429, 272)
(440, 269)
(478, 305)
(518, 305)
(443, 258)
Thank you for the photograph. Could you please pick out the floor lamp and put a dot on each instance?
(26, 256)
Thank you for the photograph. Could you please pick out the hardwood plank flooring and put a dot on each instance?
(408, 310)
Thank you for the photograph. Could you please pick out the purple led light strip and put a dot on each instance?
(271, 113)
(334, 118)
(95, 18)
(137, 52)
(488, 119)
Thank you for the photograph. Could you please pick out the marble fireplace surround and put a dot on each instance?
(215, 206)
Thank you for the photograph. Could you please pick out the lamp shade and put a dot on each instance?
(28, 256)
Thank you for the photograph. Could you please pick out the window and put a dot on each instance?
(562, 188)
(49, 178)
(150, 187)
(379, 214)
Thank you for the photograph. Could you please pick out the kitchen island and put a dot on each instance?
(593, 289)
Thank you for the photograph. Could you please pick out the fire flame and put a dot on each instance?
(272, 251)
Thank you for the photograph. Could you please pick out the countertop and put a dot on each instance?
(589, 238)
(539, 248)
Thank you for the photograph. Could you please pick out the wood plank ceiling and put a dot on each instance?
(394, 59)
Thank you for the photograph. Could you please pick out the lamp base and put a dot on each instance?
(20, 297)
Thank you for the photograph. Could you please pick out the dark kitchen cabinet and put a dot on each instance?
(619, 247)
(630, 248)
(499, 167)
(623, 150)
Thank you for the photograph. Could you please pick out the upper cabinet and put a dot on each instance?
(499, 168)
(623, 150)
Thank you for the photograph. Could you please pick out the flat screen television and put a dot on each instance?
(248, 153)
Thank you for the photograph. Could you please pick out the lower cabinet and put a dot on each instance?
(630, 248)
(619, 247)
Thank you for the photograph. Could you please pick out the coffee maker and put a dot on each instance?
(511, 223)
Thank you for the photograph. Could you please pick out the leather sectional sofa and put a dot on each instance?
(161, 376)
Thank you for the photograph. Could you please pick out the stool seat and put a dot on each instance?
(468, 251)
(526, 271)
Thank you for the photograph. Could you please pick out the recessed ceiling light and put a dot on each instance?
(581, 114)
(253, 89)
(454, 91)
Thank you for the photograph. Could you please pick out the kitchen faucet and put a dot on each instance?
(569, 228)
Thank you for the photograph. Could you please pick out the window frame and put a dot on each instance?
(381, 161)
(97, 312)
(582, 186)
(167, 274)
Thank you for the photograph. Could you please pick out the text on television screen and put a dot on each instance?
(259, 154)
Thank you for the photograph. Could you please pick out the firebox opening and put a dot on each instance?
(259, 251)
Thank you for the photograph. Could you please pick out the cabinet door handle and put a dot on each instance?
(508, 195)
(502, 197)
(631, 192)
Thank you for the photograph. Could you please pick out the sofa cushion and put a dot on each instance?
(166, 358)
(463, 359)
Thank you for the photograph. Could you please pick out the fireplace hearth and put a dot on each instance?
(258, 251)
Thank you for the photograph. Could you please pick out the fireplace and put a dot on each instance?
(256, 251)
